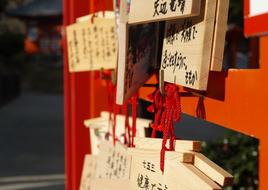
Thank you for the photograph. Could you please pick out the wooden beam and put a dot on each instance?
(212, 170)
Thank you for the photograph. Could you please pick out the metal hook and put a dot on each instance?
(161, 82)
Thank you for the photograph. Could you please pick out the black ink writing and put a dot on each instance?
(77, 60)
(116, 165)
(185, 32)
(156, 5)
(143, 182)
(161, 8)
(148, 166)
(190, 77)
(176, 60)
(188, 31)
(174, 4)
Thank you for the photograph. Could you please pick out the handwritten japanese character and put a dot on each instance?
(181, 4)
(156, 5)
(173, 5)
(188, 31)
(163, 8)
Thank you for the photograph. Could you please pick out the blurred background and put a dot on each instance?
(31, 100)
(31, 95)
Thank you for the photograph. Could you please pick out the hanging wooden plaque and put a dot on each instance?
(184, 169)
(92, 46)
(156, 10)
(187, 48)
(113, 167)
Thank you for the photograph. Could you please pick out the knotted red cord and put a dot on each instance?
(157, 109)
(167, 110)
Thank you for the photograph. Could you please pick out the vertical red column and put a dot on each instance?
(76, 92)
(262, 127)
(84, 97)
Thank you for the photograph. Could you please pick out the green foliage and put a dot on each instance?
(238, 154)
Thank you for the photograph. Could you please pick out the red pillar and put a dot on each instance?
(80, 92)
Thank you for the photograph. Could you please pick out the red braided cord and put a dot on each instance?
(167, 109)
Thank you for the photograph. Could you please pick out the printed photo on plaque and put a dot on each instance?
(138, 59)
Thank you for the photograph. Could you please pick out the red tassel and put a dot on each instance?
(167, 109)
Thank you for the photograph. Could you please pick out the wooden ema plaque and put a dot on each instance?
(156, 10)
(92, 46)
(185, 168)
(113, 167)
(192, 46)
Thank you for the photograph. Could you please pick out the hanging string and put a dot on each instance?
(127, 134)
(110, 97)
(102, 5)
(116, 111)
(200, 110)
(134, 103)
(167, 110)
(112, 107)
(98, 5)
(130, 132)
(95, 9)
(156, 108)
